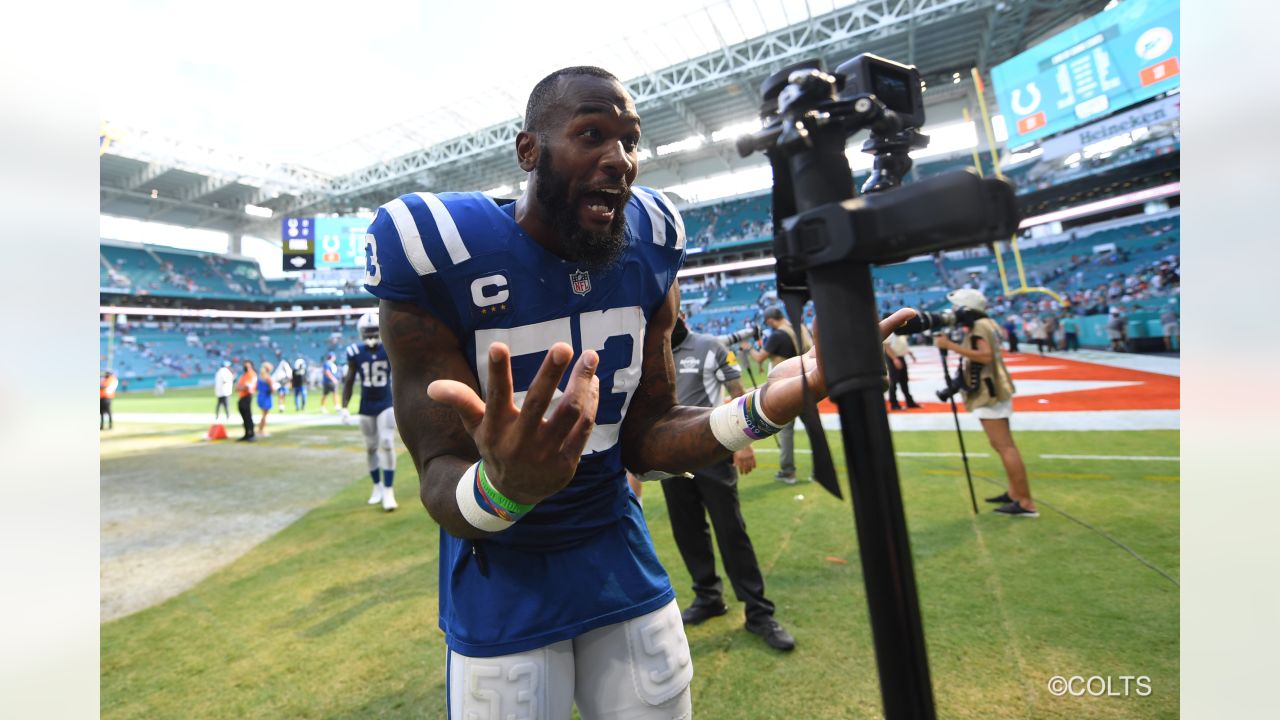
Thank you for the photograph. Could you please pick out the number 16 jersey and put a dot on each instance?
(582, 558)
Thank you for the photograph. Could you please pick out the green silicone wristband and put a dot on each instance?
(498, 498)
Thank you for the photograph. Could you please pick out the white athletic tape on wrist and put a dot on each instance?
(479, 518)
(741, 421)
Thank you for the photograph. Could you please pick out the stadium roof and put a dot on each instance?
(736, 44)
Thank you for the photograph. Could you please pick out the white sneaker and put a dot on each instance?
(376, 497)
(388, 499)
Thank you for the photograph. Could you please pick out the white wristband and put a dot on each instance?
(741, 421)
(469, 506)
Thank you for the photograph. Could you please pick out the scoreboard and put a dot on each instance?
(1106, 63)
(324, 243)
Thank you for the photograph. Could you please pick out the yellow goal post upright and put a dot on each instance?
(1024, 289)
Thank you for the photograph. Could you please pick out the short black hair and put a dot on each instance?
(774, 313)
(544, 94)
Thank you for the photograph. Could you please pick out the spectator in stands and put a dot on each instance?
(266, 392)
(990, 399)
(247, 385)
(780, 345)
(702, 366)
(107, 393)
(1169, 322)
(222, 385)
(1071, 332)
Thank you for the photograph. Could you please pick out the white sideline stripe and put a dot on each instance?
(656, 218)
(1110, 457)
(448, 230)
(805, 451)
(410, 240)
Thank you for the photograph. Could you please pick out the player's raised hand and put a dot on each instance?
(527, 457)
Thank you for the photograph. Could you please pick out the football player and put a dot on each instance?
(540, 330)
(367, 360)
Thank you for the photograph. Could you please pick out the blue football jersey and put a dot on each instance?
(373, 370)
(585, 550)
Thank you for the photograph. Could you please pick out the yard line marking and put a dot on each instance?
(1110, 457)
(939, 454)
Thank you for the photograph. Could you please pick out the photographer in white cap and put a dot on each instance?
(988, 394)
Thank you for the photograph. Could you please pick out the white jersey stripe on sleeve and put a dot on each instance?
(656, 218)
(679, 221)
(410, 240)
(448, 230)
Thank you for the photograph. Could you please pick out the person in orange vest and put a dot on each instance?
(246, 385)
(106, 393)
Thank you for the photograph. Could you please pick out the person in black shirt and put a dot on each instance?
(778, 346)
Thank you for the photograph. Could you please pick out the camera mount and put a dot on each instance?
(825, 241)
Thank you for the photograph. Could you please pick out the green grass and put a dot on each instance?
(202, 400)
(335, 616)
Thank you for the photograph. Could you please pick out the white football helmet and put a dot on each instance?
(367, 325)
(968, 298)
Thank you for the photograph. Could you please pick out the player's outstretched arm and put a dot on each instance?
(448, 427)
(657, 434)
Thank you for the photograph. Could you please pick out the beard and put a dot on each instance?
(559, 203)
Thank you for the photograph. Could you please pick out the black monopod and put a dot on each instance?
(825, 241)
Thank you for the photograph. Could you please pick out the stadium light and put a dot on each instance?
(258, 211)
(692, 142)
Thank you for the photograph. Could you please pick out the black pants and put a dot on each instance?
(714, 490)
(224, 406)
(1072, 341)
(899, 377)
(105, 420)
(1013, 342)
(246, 414)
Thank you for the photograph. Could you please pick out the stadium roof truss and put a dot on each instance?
(692, 97)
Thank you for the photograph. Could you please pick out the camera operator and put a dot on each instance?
(988, 394)
(780, 345)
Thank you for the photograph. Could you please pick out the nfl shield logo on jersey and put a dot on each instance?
(580, 281)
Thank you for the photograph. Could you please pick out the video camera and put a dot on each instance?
(825, 240)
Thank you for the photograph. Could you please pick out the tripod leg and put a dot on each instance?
(955, 415)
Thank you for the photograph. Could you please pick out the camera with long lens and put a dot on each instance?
(743, 335)
(939, 322)
(825, 241)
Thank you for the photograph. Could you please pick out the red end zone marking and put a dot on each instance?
(1153, 391)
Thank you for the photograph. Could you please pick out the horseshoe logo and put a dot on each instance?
(1016, 100)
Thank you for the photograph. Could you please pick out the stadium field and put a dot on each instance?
(334, 615)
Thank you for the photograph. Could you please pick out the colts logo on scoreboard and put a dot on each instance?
(580, 281)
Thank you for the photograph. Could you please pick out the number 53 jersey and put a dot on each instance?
(582, 558)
